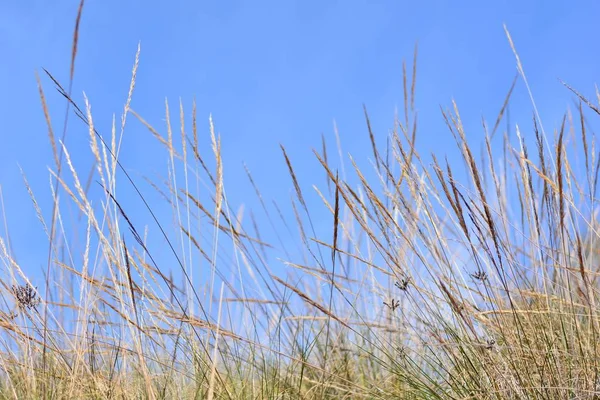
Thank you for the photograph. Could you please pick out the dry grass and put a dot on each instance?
(427, 286)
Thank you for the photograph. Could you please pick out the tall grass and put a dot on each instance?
(426, 286)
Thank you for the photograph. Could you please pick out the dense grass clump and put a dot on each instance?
(431, 283)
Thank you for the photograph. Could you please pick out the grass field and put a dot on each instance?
(427, 286)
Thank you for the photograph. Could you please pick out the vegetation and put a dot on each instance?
(425, 287)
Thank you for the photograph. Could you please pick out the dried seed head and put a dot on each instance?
(392, 304)
(479, 275)
(403, 284)
(26, 296)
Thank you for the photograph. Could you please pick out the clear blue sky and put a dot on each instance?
(274, 72)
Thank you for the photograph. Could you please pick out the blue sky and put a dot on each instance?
(273, 72)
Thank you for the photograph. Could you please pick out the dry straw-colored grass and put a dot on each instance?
(428, 285)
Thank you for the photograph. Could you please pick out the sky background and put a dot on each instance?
(272, 72)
